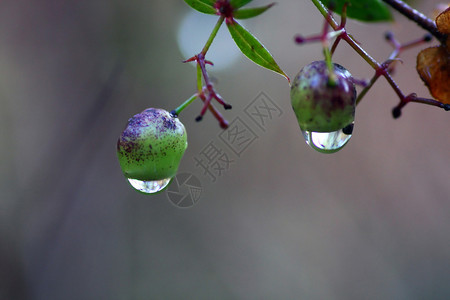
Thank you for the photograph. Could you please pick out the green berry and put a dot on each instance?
(152, 145)
(323, 103)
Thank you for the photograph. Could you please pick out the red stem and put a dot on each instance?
(416, 16)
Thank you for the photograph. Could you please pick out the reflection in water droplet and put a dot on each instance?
(149, 187)
(328, 142)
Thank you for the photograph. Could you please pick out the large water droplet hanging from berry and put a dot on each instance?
(328, 142)
(149, 187)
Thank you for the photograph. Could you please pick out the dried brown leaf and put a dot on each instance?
(433, 66)
(443, 21)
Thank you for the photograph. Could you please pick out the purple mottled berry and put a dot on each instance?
(323, 103)
(152, 145)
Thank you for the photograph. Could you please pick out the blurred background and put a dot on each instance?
(282, 222)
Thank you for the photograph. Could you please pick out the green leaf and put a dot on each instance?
(246, 13)
(252, 48)
(363, 10)
(239, 3)
(204, 6)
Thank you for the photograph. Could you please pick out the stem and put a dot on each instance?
(179, 109)
(332, 80)
(209, 88)
(417, 17)
(398, 48)
(371, 61)
(222, 122)
(358, 49)
(367, 88)
(201, 64)
(383, 69)
(206, 93)
(324, 11)
(199, 78)
(212, 35)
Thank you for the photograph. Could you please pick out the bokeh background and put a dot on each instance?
(284, 222)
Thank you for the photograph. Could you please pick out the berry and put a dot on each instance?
(152, 145)
(323, 103)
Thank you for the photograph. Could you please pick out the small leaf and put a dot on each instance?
(433, 66)
(204, 6)
(239, 3)
(363, 10)
(246, 13)
(252, 48)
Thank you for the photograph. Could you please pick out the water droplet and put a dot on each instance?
(328, 142)
(149, 187)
